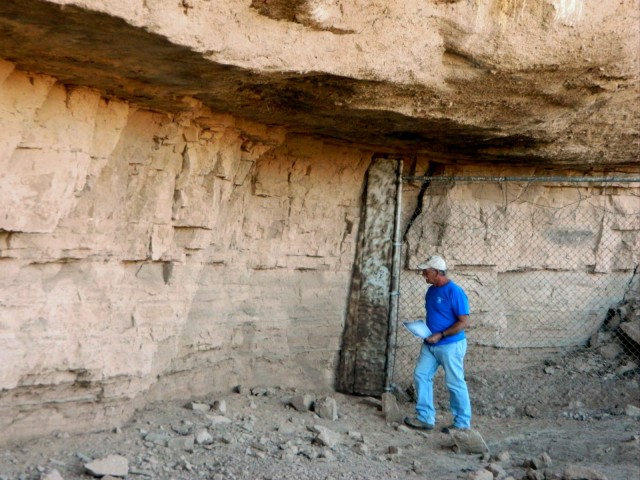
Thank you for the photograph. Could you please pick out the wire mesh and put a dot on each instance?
(549, 269)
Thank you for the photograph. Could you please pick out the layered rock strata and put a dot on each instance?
(181, 182)
(141, 249)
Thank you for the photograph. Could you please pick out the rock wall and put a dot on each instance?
(146, 255)
(181, 181)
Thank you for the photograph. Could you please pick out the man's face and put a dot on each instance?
(430, 275)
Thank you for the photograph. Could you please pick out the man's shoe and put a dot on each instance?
(452, 428)
(418, 424)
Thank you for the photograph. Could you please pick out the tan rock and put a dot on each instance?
(195, 229)
(632, 329)
(114, 465)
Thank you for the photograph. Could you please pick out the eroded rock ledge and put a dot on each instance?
(502, 81)
(181, 181)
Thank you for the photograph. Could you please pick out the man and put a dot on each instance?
(447, 310)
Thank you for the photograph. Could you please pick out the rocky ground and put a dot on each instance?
(573, 419)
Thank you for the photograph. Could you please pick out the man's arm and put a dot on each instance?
(460, 325)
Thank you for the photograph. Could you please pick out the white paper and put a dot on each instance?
(418, 328)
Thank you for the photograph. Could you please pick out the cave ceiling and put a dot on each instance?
(582, 116)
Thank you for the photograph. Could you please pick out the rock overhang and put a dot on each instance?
(578, 115)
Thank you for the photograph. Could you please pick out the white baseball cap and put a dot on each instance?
(434, 261)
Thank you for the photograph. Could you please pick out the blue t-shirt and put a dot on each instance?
(443, 306)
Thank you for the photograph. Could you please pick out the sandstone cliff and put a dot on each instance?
(181, 182)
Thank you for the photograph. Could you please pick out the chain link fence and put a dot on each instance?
(550, 269)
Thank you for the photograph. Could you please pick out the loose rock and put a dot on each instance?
(198, 407)
(469, 441)
(302, 403)
(577, 472)
(182, 443)
(326, 437)
(52, 475)
(114, 465)
(480, 475)
(632, 411)
(203, 437)
(326, 407)
(392, 412)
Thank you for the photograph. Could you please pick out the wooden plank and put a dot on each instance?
(362, 362)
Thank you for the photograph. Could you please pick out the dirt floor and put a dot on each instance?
(582, 413)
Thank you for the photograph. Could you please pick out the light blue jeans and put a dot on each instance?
(451, 357)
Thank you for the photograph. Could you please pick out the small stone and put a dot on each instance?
(218, 420)
(286, 428)
(203, 437)
(394, 450)
(259, 391)
(184, 428)
(610, 351)
(532, 411)
(326, 407)
(325, 436)
(390, 408)
(219, 406)
(577, 472)
(361, 449)
(504, 456)
(480, 475)
(551, 475)
(374, 402)
(613, 322)
(83, 458)
(182, 443)
(632, 329)
(198, 407)
(531, 474)
(418, 467)
(632, 411)
(302, 403)
(544, 460)
(469, 441)
(627, 367)
(496, 470)
(52, 475)
(115, 465)
(158, 438)
(327, 455)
